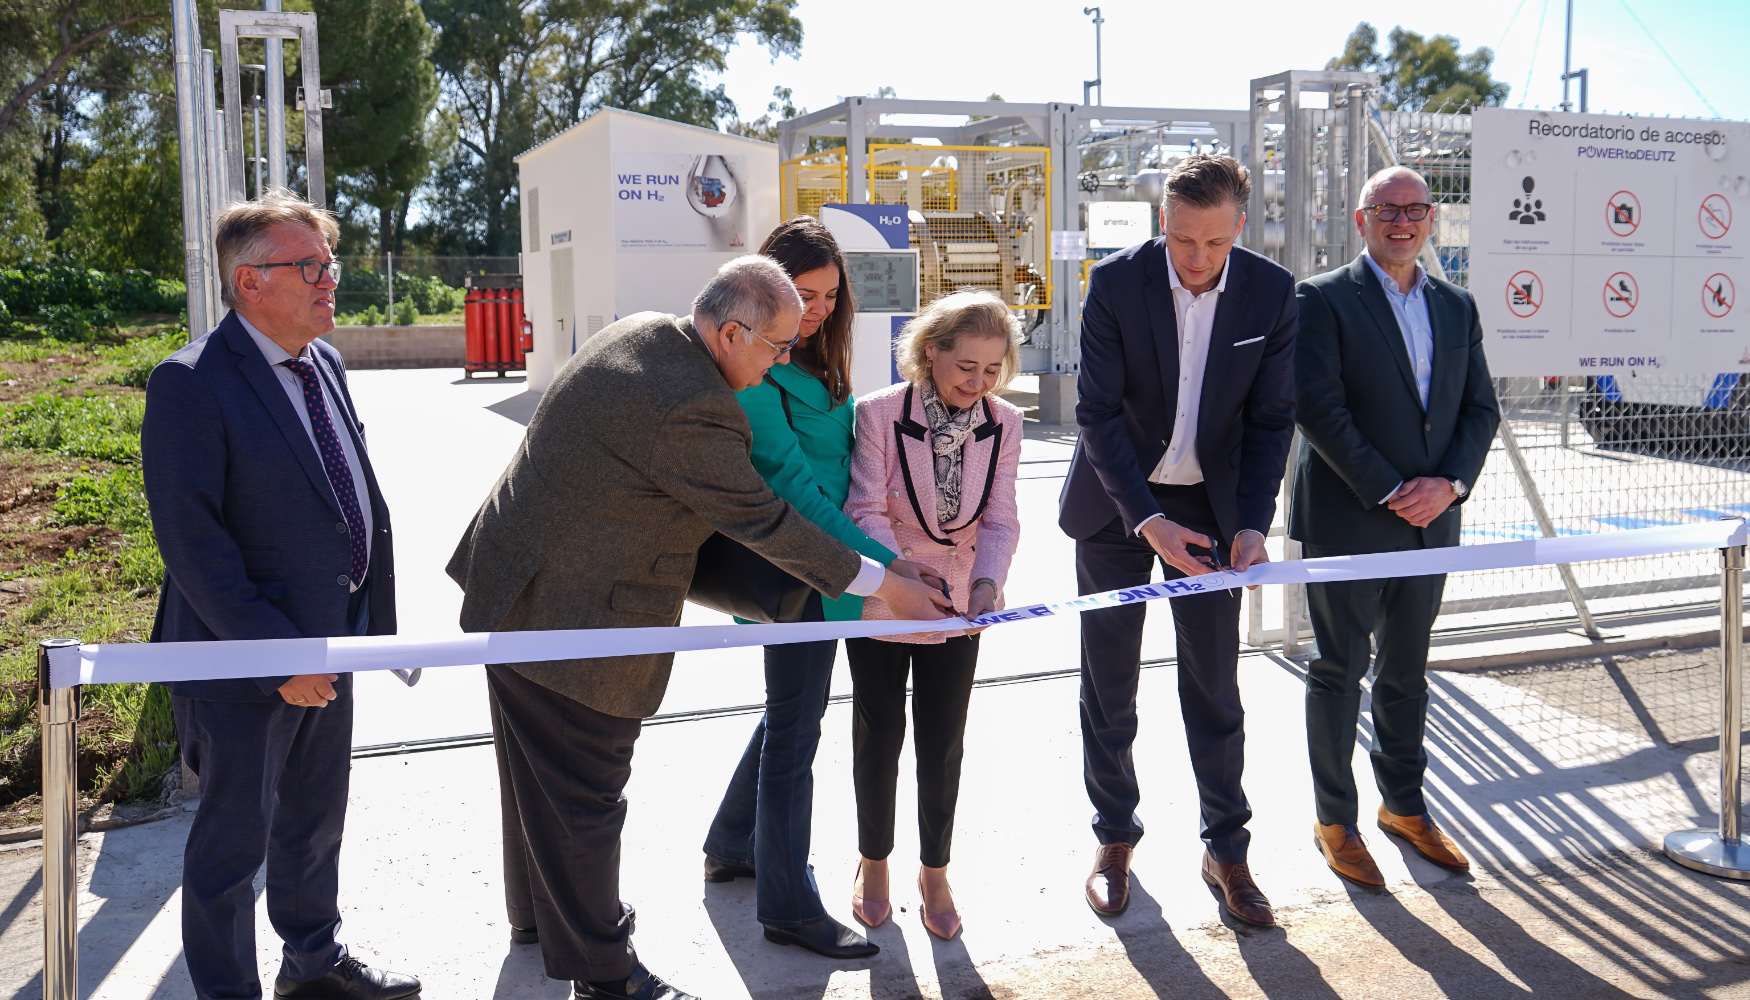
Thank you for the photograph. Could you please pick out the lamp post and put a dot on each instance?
(1098, 80)
(1568, 70)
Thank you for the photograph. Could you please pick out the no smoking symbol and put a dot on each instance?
(1621, 294)
(1717, 296)
(1715, 216)
(1623, 213)
(1524, 294)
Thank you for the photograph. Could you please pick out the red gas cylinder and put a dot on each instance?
(518, 329)
(475, 349)
(493, 315)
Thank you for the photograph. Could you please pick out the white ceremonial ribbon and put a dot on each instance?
(163, 662)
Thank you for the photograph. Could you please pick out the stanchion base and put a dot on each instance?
(1704, 851)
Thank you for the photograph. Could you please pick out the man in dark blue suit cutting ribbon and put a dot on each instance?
(271, 526)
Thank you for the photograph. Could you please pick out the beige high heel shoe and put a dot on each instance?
(942, 925)
(872, 912)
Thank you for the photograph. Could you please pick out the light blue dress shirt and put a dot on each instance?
(1411, 310)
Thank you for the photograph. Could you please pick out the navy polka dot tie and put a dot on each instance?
(333, 461)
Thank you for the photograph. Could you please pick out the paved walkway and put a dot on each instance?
(1560, 782)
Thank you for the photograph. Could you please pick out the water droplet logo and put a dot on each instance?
(711, 187)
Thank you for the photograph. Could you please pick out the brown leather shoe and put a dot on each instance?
(1108, 888)
(1428, 839)
(1347, 854)
(1239, 893)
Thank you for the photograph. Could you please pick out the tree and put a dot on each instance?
(517, 70)
(1417, 72)
(765, 127)
(376, 138)
(44, 45)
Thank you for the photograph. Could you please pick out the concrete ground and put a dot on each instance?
(1560, 781)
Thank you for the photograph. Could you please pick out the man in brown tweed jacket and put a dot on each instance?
(636, 454)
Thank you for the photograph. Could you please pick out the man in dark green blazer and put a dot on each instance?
(1396, 414)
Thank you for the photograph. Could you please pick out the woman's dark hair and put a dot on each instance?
(802, 245)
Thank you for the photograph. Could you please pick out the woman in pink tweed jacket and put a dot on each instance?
(932, 478)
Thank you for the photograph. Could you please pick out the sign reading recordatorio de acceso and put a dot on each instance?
(1603, 243)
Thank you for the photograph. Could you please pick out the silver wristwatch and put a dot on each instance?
(1459, 488)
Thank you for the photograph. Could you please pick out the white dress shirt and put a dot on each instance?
(1196, 318)
(294, 387)
(1196, 321)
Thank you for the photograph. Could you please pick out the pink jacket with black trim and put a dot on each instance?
(893, 494)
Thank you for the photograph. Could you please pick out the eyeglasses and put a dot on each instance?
(310, 270)
(781, 349)
(1391, 213)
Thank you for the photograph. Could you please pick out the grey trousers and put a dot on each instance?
(562, 769)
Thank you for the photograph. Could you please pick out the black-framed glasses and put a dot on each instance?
(1391, 213)
(781, 349)
(310, 270)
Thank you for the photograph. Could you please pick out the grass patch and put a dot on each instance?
(80, 556)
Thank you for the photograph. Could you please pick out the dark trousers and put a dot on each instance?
(273, 788)
(1207, 627)
(767, 812)
(941, 680)
(1347, 619)
(567, 766)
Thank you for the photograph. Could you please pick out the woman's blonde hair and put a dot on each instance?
(942, 324)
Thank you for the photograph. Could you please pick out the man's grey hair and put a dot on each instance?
(751, 290)
(1386, 176)
(245, 233)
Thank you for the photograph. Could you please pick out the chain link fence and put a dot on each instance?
(425, 289)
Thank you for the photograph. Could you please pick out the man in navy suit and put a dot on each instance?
(272, 527)
(1186, 409)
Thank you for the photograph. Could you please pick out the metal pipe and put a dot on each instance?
(1099, 77)
(276, 106)
(58, 718)
(391, 274)
(185, 32)
(1731, 689)
(1547, 526)
(1567, 60)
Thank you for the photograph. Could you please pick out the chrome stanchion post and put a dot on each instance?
(58, 718)
(1722, 852)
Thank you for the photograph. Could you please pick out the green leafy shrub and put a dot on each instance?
(101, 427)
(33, 287)
(406, 313)
(116, 498)
(77, 324)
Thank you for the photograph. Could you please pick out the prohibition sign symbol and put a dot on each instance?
(1715, 216)
(1621, 294)
(1718, 295)
(1524, 294)
(1623, 213)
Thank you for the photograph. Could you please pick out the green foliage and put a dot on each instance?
(406, 313)
(30, 288)
(128, 214)
(77, 325)
(106, 428)
(116, 498)
(138, 356)
(515, 73)
(153, 749)
(1417, 72)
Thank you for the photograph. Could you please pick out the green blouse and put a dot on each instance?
(806, 459)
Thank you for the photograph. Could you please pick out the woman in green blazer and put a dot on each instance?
(802, 421)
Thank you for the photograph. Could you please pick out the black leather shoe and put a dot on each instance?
(642, 984)
(723, 871)
(350, 980)
(825, 936)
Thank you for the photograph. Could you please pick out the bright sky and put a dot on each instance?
(1182, 55)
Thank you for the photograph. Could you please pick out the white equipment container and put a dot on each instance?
(624, 213)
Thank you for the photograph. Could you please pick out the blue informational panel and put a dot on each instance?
(868, 227)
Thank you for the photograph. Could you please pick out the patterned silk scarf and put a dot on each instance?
(948, 433)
